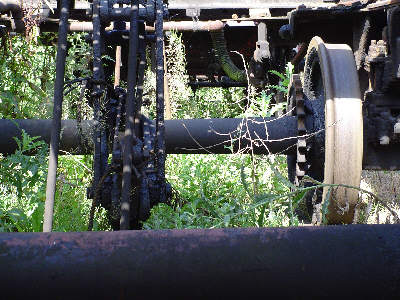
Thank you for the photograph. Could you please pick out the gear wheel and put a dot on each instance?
(298, 165)
(296, 106)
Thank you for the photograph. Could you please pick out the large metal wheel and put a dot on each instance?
(330, 74)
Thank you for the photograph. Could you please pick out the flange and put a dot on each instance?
(330, 72)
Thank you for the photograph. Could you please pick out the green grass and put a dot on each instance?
(213, 191)
(209, 190)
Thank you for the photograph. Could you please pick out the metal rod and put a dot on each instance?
(98, 91)
(130, 118)
(141, 70)
(160, 126)
(327, 262)
(118, 54)
(117, 73)
(219, 136)
(168, 26)
(56, 122)
(167, 98)
(222, 84)
(191, 26)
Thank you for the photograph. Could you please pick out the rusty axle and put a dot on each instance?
(292, 263)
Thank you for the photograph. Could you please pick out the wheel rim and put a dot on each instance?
(343, 124)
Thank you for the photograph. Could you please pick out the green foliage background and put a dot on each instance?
(209, 190)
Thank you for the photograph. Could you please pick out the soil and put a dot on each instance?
(386, 185)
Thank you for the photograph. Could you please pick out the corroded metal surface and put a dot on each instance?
(292, 263)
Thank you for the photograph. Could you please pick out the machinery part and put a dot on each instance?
(261, 60)
(221, 83)
(56, 122)
(114, 211)
(13, 6)
(141, 69)
(394, 40)
(330, 72)
(290, 263)
(100, 155)
(191, 26)
(179, 26)
(382, 65)
(130, 108)
(301, 160)
(302, 50)
(195, 136)
(297, 164)
(360, 41)
(145, 11)
(230, 69)
(160, 123)
(214, 10)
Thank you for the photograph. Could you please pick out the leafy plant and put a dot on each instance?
(22, 178)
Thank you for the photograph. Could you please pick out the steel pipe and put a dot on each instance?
(217, 84)
(191, 26)
(168, 26)
(282, 263)
(196, 136)
(182, 136)
(226, 136)
(70, 142)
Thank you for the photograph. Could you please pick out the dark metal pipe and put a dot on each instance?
(69, 142)
(168, 26)
(226, 136)
(57, 112)
(280, 263)
(216, 84)
(191, 26)
(181, 136)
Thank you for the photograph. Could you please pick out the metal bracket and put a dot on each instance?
(193, 12)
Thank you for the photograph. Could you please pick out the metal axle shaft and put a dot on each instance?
(281, 263)
(197, 136)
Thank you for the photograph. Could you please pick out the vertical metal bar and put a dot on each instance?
(130, 104)
(118, 53)
(116, 179)
(141, 68)
(168, 109)
(57, 112)
(98, 79)
(160, 127)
